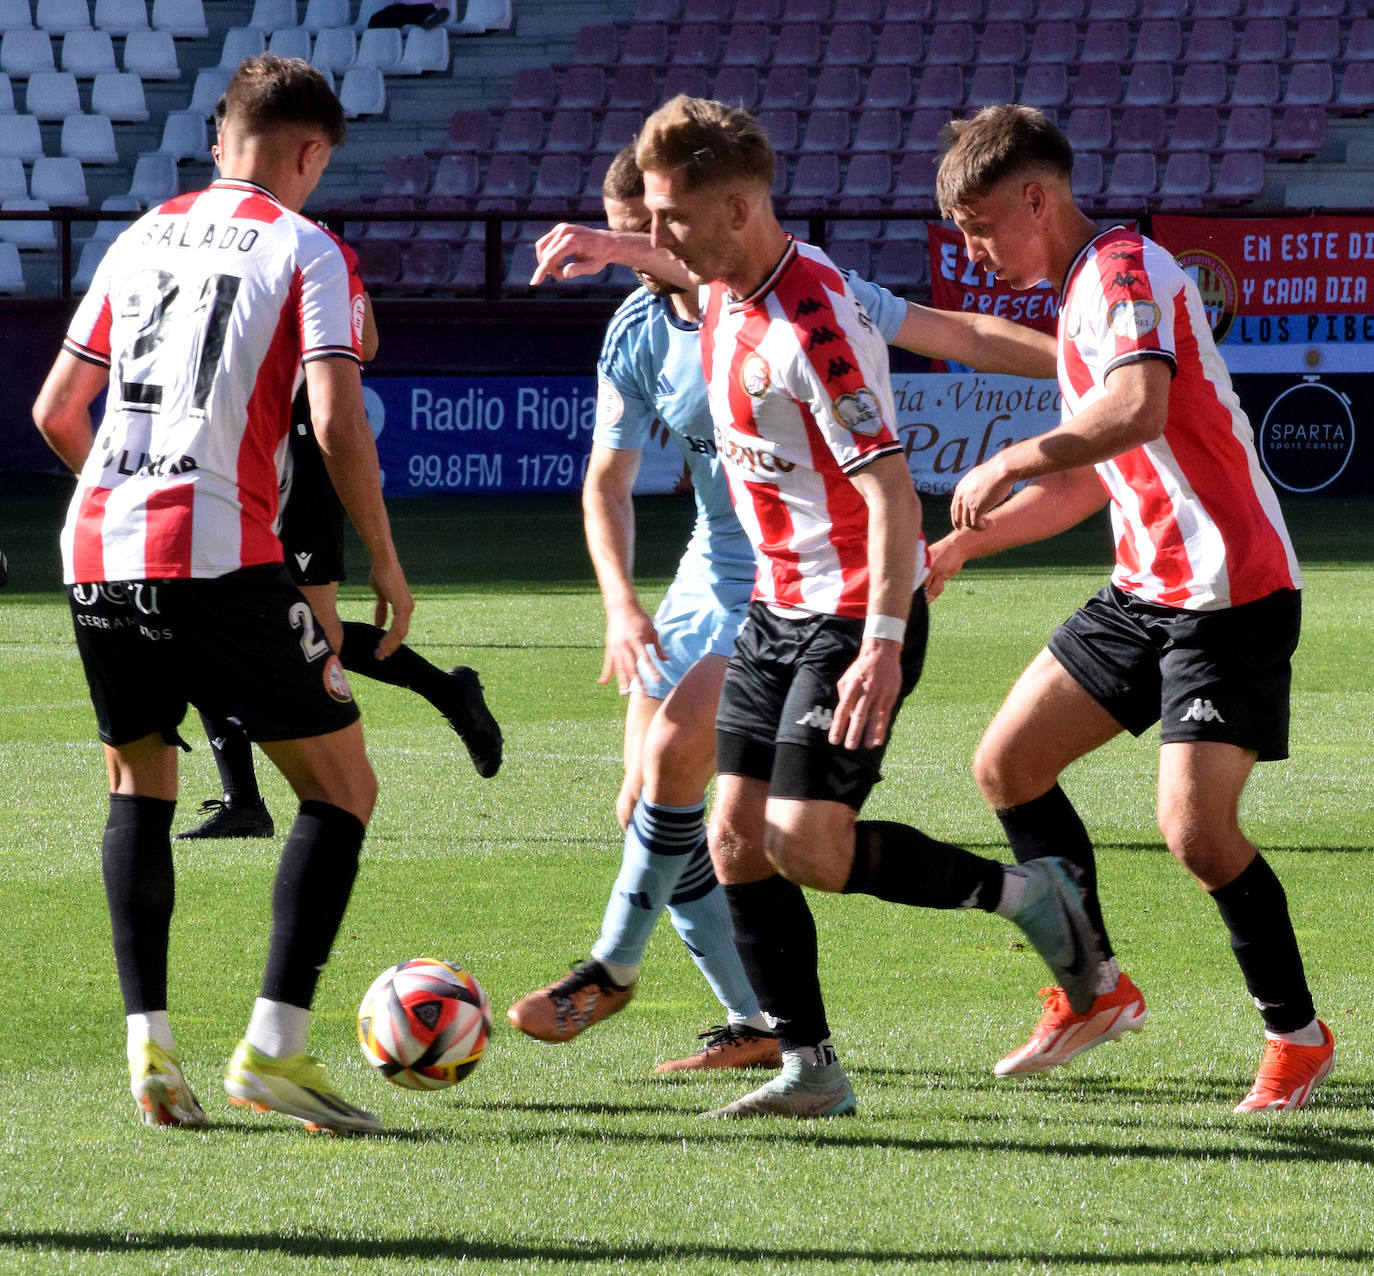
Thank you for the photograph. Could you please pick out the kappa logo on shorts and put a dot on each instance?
(817, 716)
(1201, 711)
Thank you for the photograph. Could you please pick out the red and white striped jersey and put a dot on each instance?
(1196, 522)
(800, 397)
(203, 311)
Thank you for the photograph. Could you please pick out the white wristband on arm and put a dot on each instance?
(888, 627)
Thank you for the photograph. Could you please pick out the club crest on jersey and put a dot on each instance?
(1133, 318)
(359, 315)
(610, 407)
(859, 412)
(336, 681)
(755, 376)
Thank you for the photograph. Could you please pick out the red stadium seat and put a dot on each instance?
(1054, 42)
(1046, 86)
(941, 86)
(827, 131)
(888, 86)
(1107, 42)
(837, 86)
(1097, 84)
(991, 85)
(1003, 42)
(583, 88)
(698, 44)
(868, 176)
(1310, 84)
(786, 88)
(737, 86)
(1196, 128)
(1263, 40)
(951, 43)
(1301, 132)
(1141, 129)
(1150, 84)
(1239, 178)
(899, 42)
(798, 44)
(850, 44)
(1159, 40)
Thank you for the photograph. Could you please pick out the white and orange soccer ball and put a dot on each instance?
(423, 1024)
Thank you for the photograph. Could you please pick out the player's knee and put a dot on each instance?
(803, 859)
(991, 773)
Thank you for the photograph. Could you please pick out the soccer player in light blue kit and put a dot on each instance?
(671, 665)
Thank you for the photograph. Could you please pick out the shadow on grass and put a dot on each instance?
(584, 1252)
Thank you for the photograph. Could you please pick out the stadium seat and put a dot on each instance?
(336, 49)
(1317, 40)
(89, 138)
(151, 55)
(889, 86)
(899, 42)
(618, 130)
(558, 177)
(406, 175)
(924, 128)
(1090, 128)
(783, 129)
(320, 14)
(827, 131)
(736, 86)
(1239, 178)
(1310, 84)
(184, 136)
(60, 181)
(535, 88)
(428, 264)
(271, 15)
(1003, 42)
(28, 234)
(915, 186)
(1160, 40)
(14, 182)
(1098, 84)
(381, 47)
(508, 176)
(1301, 132)
(960, 10)
(850, 45)
(1356, 96)
(1141, 128)
(906, 10)
(902, 265)
(869, 176)
(451, 232)
(290, 42)
(12, 271)
(1106, 42)
(1269, 8)
(1256, 84)
(92, 251)
(1054, 42)
(1061, 10)
(425, 51)
(1248, 128)
(379, 261)
(659, 10)
(815, 182)
(879, 129)
(1196, 128)
(1202, 84)
(1124, 10)
(1228, 9)
(362, 92)
(470, 273)
(991, 85)
(941, 86)
(24, 52)
(209, 87)
(646, 44)
(765, 10)
(582, 88)
(632, 88)
(1150, 84)
(691, 80)
(1135, 176)
(6, 95)
(1211, 40)
(851, 254)
(1088, 176)
(402, 228)
(16, 15)
(469, 130)
(598, 45)
(181, 19)
(1263, 40)
(119, 17)
(1046, 85)
(1359, 41)
(484, 15)
(746, 44)
(240, 43)
(154, 179)
(786, 88)
(57, 17)
(951, 44)
(52, 95)
(455, 176)
(20, 137)
(1187, 179)
(706, 10)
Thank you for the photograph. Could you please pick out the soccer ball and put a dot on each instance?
(423, 1024)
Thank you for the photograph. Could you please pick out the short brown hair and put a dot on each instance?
(995, 143)
(623, 180)
(707, 143)
(268, 92)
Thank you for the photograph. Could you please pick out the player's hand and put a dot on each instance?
(568, 251)
(982, 489)
(868, 691)
(388, 582)
(946, 562)
(630, 639)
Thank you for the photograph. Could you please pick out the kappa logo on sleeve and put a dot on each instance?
(859, 412)
(1133, 318)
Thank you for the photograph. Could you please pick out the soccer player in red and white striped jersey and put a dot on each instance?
(199, 318)
(1200, 620)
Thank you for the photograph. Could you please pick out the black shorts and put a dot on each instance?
(780, 694)
(245, 646)
(312, 517)
(1221, 675)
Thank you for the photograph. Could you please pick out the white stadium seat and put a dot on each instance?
(90, 138)
(16, 15)
(152, 55)
(184, 19)
(119, 94)
(382, 48)
(209, 88)
(27, 234)
(60, 181)
(119, 17)
(336, 49)
(325, 13)
(184, 136)
(362, 92)
(24, 52)
(57, 17)
(290, 42)
(20, 137)
(272, 15)
(14, 182)
(484, 15)
(241, 43)
(87, 53)
(92, 253)
(52, 95)
(425, 50)
(106, 231)
(155, 179)
(11, 271)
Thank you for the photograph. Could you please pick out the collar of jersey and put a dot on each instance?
(242, 184)
(674, 319)
(1083, 256)
(788, 257)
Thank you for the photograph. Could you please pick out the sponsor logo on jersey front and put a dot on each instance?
(755, 375)
(1133, 318)
(859, 412)
(336, 681)
(756, 460)
(1201, 711)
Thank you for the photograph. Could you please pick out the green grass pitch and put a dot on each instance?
(572, 1159)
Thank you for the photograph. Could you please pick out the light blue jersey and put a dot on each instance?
(651, 387)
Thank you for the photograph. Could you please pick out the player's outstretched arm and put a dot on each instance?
(334, 387)
(608, 517)
(569, 251)
(62, 411)
(869, 688)
(1043, 508)
(984, 342)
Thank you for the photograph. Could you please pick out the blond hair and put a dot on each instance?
(707, 143)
